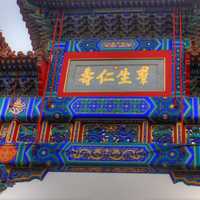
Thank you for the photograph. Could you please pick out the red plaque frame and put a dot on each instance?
(165, 55)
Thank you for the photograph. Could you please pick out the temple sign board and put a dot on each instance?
(119, 74)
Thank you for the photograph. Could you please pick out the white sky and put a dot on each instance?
(70, 186)
(13, 27)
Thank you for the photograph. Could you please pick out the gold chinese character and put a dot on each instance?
(143, 74)
(105, 76)
(124, 76)
(87, 76)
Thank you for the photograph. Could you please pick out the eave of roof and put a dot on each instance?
(40, 15)
(10, 60)
(4, 47)
(76, 4)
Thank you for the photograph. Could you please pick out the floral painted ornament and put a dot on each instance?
(17, 107)
(7, 153)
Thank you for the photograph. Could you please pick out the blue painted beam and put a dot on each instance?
(155, 109)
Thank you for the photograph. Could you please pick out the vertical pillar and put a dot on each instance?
(150, 134)
(76, 133)
(144, 135)
(44, 135)
(12, 132)
(180, 133)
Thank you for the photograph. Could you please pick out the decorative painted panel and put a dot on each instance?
(27, 132)
(193, 134)
(162, 134)
(110, 133)
(60, 132)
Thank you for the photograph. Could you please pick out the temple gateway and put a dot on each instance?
(111, 86)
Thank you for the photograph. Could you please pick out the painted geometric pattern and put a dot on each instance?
(193, 134)
(27, 132)
(137, 106)
(108, 153)
(59, 132)
(110, 133)
(136, 44)
(155, 109)
(99, 132)
(64, 154)
(162, 134)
